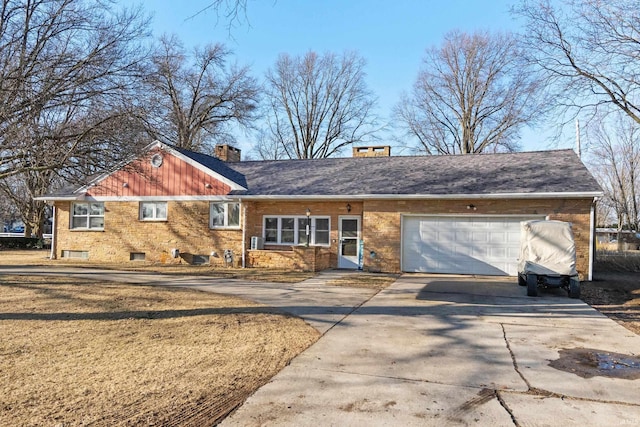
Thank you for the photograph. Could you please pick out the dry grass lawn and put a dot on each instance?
(111, 354)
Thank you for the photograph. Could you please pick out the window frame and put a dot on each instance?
(297, 229)
(227, 209)
(88, 216)
(155, 211)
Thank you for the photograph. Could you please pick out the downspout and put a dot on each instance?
(52, 255)
(592, 233)
(244, 233)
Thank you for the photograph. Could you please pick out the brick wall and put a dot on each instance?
(297, 258)
(186, 229)
(382, 221)
(257, 210)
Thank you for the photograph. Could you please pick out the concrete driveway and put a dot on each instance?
(447, 350)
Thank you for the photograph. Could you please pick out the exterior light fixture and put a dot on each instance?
(348, 207)
(472, 207)
(207, 185)
(125, 185)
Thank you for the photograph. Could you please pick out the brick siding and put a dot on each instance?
(382, 221)
(188, 230)
(297, 258)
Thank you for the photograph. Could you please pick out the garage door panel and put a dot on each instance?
(460, 245)
(499, 237)
(498, 253)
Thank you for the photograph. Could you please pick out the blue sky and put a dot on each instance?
(391, 35)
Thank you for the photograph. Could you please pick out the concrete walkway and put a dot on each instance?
(431, 350)
(319, 305)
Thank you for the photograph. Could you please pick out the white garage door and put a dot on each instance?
(461, 245)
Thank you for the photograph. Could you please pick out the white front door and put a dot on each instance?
(349, 243)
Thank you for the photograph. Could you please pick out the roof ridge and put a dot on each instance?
(359, 158)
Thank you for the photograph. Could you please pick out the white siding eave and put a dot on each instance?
(338, 197)
(160, 198)
(567, 195)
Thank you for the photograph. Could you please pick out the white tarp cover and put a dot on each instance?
(547, 248)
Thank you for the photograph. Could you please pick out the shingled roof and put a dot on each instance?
(557, 173)
(544, 172)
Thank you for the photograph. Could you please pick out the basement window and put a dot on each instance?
(136, 256)
(75, 254)
(200, 259)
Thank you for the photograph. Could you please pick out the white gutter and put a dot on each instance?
(337, 197)
(158, 198)
(60, 198)
(568, 195)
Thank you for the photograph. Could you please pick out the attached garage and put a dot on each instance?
(483, 245)
(457, 214)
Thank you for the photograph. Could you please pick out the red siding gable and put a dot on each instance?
(174, 177)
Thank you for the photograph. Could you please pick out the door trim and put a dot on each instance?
(344, 262)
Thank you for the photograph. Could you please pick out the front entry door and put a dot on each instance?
(349, 247)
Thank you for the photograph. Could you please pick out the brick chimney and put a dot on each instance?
(372, 151)
(227, 153)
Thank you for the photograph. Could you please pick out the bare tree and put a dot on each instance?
(8, 213)
(234, 11)
(67, 72)
(588, 50)
(268, 148)
(473, 94)
(59, 60)
(20, 190)
(196, 98)
(318, 104)
(615, 159)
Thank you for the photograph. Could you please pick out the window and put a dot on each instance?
(293, 230)
(224, 215)
(287, 230)
(87, 216)
(153, 211)
(137, 256)
(321, 231)
(271, 230)
(302, 231)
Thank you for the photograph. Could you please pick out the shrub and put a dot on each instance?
(23, 243)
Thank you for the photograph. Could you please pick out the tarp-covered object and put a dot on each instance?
(547, 248)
